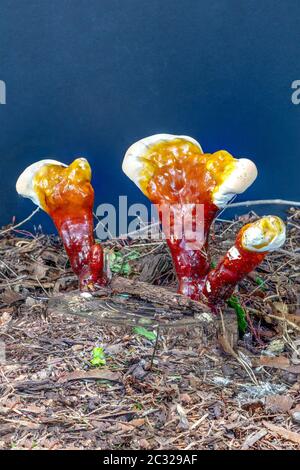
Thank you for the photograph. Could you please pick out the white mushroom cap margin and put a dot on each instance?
(133, 161)
(25, 182)
(266, 234)
(241, 177)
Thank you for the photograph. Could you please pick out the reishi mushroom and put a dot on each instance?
(175, 174)
(66, 194)
(253, 242)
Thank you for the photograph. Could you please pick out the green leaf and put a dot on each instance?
(234, 302)
(132, 255)
(126, 269)
(116, 268)
(138, 406)
(140, 330)
(98, 357)
(118, 264)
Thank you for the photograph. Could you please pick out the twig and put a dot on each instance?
(294, 225)
(268, 278)
(155, 348)
(234, 354)
(285, 320)
(259, 202)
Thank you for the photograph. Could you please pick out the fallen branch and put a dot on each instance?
(155, 294)
(285, 320)
(282, 432)
(260, 202)
(131, 302)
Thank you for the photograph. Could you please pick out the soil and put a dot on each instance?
(171, 377)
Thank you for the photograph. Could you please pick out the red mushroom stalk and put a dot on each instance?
(254, 241)
(66, 194)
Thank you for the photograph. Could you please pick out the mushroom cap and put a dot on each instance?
(265, 234)
(25, 182)
(231, 176)
(136, 159)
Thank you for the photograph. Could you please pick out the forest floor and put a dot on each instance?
(71, 383)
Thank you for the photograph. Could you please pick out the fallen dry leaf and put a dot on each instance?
(33, 409)
(144, 444)
(185, 398)
(24, 423)
(279, 403)
(280, 307)
(285, 433)
(250, 440)
(137, 423)
(279, 362)
(226, 346)
(5, 318)
(282, 310)
(183, 421)
(39, 270)
(10, 297)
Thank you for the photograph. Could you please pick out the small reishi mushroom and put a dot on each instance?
(253, 242)
(66, 194)
(173, 172)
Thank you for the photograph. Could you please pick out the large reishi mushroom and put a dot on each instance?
(66, 194)
(175, 174)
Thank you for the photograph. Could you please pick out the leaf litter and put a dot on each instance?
(68, 382)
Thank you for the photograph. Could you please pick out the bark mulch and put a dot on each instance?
(173, 376)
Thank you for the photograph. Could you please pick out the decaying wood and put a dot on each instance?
(127, 300)
(133, 302)
(156, 294)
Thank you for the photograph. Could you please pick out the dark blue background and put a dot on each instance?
(87, 77)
